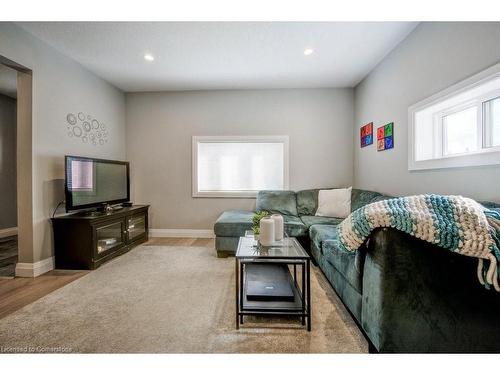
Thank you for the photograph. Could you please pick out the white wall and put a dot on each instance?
(160, 127)
(432, 58)
(60, 85)
(8, 206)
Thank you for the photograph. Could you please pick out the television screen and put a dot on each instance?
(93, 182)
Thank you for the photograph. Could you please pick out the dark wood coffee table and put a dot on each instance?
(287, 252)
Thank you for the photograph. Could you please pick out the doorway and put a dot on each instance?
(16, 167)
(8, 171)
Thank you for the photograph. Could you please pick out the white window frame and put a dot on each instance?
(441, 129)
(232, 139)
(483, 155)
(487, 131)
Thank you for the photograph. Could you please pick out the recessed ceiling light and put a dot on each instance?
(149, 57)
(308, 51)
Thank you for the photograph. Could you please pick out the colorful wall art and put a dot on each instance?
(385, 137)
(367, 134)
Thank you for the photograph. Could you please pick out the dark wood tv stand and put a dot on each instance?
(86, 240)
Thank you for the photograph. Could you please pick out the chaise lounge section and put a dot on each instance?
(231, 225)
(406, 294)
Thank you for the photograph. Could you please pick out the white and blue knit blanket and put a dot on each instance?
(452, 222)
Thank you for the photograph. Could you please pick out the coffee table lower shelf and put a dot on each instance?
(299, 307)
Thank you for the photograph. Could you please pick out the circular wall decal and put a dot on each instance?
(77, 131)
(86, 126)
(71, 119)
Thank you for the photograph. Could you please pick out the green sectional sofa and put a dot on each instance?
(405, 294)
(298, 210)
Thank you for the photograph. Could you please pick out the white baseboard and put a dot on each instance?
(7, 232)
(34, 269)
(182, 233)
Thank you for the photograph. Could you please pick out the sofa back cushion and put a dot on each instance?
(277, 201)
(361, 198)
(307, 200)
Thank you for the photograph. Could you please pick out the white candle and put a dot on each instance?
(266, 234)
(278, 227)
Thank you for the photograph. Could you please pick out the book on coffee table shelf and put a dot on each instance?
(268, 282)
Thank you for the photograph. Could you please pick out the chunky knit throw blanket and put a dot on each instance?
(452, 222)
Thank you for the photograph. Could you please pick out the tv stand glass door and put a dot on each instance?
(109, 236)
(136, 226)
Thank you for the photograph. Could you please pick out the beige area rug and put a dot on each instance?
(160, 299)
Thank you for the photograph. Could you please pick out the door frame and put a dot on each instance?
(24, 160)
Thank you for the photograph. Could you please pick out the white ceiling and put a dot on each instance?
(224, 55)
(8, 81)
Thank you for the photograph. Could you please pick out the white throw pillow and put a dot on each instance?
(334, 203)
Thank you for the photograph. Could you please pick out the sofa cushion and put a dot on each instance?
(233, 223)
(312, 220)
(294, 227)
(360, 198)
(277, 201)
(348, 264)
(307, 202)
(319, 233)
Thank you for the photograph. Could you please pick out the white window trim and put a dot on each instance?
(243, 139)
(481, 157)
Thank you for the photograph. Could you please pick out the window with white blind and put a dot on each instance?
(459, 127)
(239, 166)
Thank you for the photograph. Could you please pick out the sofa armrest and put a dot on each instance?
(421, 298)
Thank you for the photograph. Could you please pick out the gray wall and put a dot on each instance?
(160, 127)
(433, 57)
(60, 85)
(8, 206)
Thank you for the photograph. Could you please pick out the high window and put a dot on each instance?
(458, 127)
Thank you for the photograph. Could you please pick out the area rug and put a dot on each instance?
(171, 299)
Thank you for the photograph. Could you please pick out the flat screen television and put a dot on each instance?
(94, 182)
